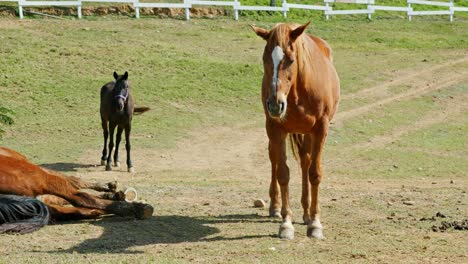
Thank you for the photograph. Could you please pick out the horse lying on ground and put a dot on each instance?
(18, 176)
(300, 94)
(116, 111)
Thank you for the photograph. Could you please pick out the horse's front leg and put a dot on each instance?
(315, 228)
(280, 171)
(128, 147)
(111, 145)
(106, 135)
(118, 138)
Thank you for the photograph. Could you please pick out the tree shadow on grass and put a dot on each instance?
(120, 234)
(66, 167)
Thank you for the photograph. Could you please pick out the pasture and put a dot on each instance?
(396, 152)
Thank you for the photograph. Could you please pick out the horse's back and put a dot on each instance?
(323, 46)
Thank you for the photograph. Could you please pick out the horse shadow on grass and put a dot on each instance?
(120, 234)
(66, 167)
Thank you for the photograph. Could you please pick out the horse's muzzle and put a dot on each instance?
(121, 105)
(276, 108)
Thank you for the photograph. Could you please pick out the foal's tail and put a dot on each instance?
(140, 110)
(19, 214)
(296, 141)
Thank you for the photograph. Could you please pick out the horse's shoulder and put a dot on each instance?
(11, 154)
(323, 45)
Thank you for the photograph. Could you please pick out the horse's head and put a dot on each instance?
(121, 90)
(280, 66)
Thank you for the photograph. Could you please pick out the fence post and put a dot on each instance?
(187, 10)
(79, 9)
(451, 10)
(20, 9)
(284, 9)
(409, 11)
(236, 11)
(137, 8)
(326, 11)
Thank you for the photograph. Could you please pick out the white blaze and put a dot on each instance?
(277, 55)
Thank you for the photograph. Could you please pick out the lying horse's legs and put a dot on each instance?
(111, 145)
(61, 213)
(118, 138)
(128, 128)
(280, 171)
(306, 160)
(106, 135)
(100, 187)
(315, 228)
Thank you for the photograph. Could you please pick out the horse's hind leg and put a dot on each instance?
(128, 128)
(118, 138)
(61, 213)
(100, 187)
(306, 160)
(315, 228)
(106, 135)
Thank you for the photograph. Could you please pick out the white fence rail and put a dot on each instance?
(370, 7)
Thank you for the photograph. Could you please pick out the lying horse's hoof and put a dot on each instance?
(130, 194)
(112, 186)
(143, 211)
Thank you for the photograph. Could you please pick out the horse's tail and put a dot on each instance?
(140, 110)
(296, 141)
(19, 214)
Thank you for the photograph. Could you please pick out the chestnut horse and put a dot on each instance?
(300, 94)
(116, 111)
(18, 176)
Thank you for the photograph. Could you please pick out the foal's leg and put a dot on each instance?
(306, 160)
(315, 228)
(128, 128)
(106, 135)
(280, 171)
(117, 142)
(111, 145)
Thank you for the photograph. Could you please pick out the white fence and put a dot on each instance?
(370, 7)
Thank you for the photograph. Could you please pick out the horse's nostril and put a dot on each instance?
(282, 107)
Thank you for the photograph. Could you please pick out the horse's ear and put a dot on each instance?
(263, 33)
(116, 76)
(298, 31)
(125, 76)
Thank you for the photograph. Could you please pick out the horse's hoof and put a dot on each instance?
(130, 194)
(315, 232)
(286, 231)
(117, 164)
(112, 186)
(275, 213)
(108, 167)
(103, 162)
(131, 169)
(143, 211)
(119, 196)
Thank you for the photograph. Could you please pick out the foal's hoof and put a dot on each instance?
(143, 211)
(315, 232)
(103, 162)
(117, 164)
(131, 169)
(108, 167)
(286, 231)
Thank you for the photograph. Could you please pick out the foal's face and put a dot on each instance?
(280, 67)
(121, 90)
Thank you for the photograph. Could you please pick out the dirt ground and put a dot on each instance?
(203, 192)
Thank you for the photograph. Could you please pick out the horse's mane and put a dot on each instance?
(19, 214)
